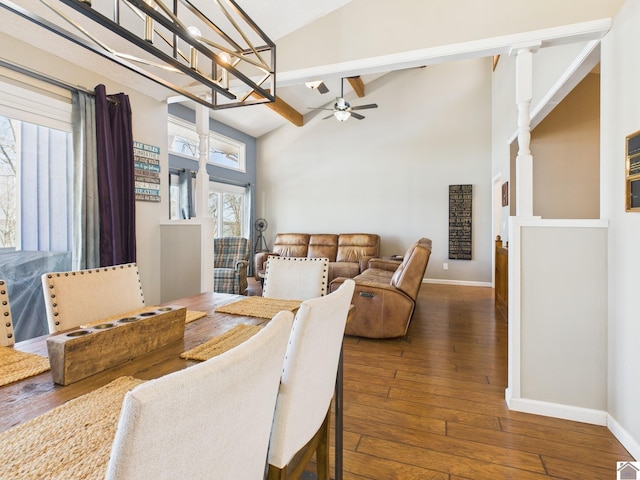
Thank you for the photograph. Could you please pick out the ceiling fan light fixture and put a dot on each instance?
(342, 115)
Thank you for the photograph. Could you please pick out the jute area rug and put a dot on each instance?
(70, 442)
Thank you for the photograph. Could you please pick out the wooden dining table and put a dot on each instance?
(26, 399)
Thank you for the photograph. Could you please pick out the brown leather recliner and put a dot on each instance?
(385, 294)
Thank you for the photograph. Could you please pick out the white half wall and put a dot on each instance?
(558, 318)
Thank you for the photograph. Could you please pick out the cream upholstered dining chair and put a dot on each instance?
(85, 296)
(295, 278)
(210, 420)
(6, 328)
(301, 423)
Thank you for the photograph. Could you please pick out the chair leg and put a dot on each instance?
(276, 473)
(322, 452)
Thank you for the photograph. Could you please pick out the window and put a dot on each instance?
(224, 152)
(181, 186)
(183, 139)
(227, 206)
(9, 135)
(36, 159)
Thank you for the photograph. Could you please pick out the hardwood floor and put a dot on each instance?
(432, 406)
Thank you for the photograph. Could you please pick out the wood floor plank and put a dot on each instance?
(419, 411)
(447, 444)
(450, 463)
(579, 456)
(375, 468)
(567, 436)
(392, 418)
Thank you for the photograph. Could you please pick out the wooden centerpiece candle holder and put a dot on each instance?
(77, 354)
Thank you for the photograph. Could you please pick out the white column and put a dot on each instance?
(202, 201)
(202, 178)
(524, 159)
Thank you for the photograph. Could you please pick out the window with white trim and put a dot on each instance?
(228, 208)
(224, 152)
(36, 161)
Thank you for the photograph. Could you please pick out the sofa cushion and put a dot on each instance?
(343, 269)
(291, 244)
(376, 275)
(323, 245)
(353, 247)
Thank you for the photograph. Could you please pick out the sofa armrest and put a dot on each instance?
(384, 264)
(364, 262)
(259, 262)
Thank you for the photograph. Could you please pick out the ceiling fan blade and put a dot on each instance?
(328, 116)
(329, 109)
(357, 115)
(364, 107)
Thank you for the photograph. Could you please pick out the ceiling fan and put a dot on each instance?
(342, 110)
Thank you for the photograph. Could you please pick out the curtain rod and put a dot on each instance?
(42, 77)
(228, 181)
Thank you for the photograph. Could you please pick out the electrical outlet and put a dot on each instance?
(445, 266)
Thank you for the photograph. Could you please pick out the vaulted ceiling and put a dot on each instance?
(331, 39)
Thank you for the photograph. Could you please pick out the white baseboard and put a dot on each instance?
(456, 282)
(627, 441)
(577, 414)
(557, 410)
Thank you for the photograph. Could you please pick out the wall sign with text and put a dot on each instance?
(460, 210)
(147, 171)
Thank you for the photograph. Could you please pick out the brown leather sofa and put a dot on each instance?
(348, 253)
(386, 292)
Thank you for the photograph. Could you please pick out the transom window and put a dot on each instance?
(223, 151)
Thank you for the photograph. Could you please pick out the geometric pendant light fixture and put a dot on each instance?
(210, 51)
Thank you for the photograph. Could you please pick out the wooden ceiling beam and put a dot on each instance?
(357, 84)
(283, 109)
(495, 62)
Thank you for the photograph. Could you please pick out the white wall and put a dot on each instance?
(620, 114)
(566, 152)
(149, 126)
(389, 173)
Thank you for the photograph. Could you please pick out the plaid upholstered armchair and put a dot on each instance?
(230, 262)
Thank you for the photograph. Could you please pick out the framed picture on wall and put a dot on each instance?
(632, 171)
(505, 194)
